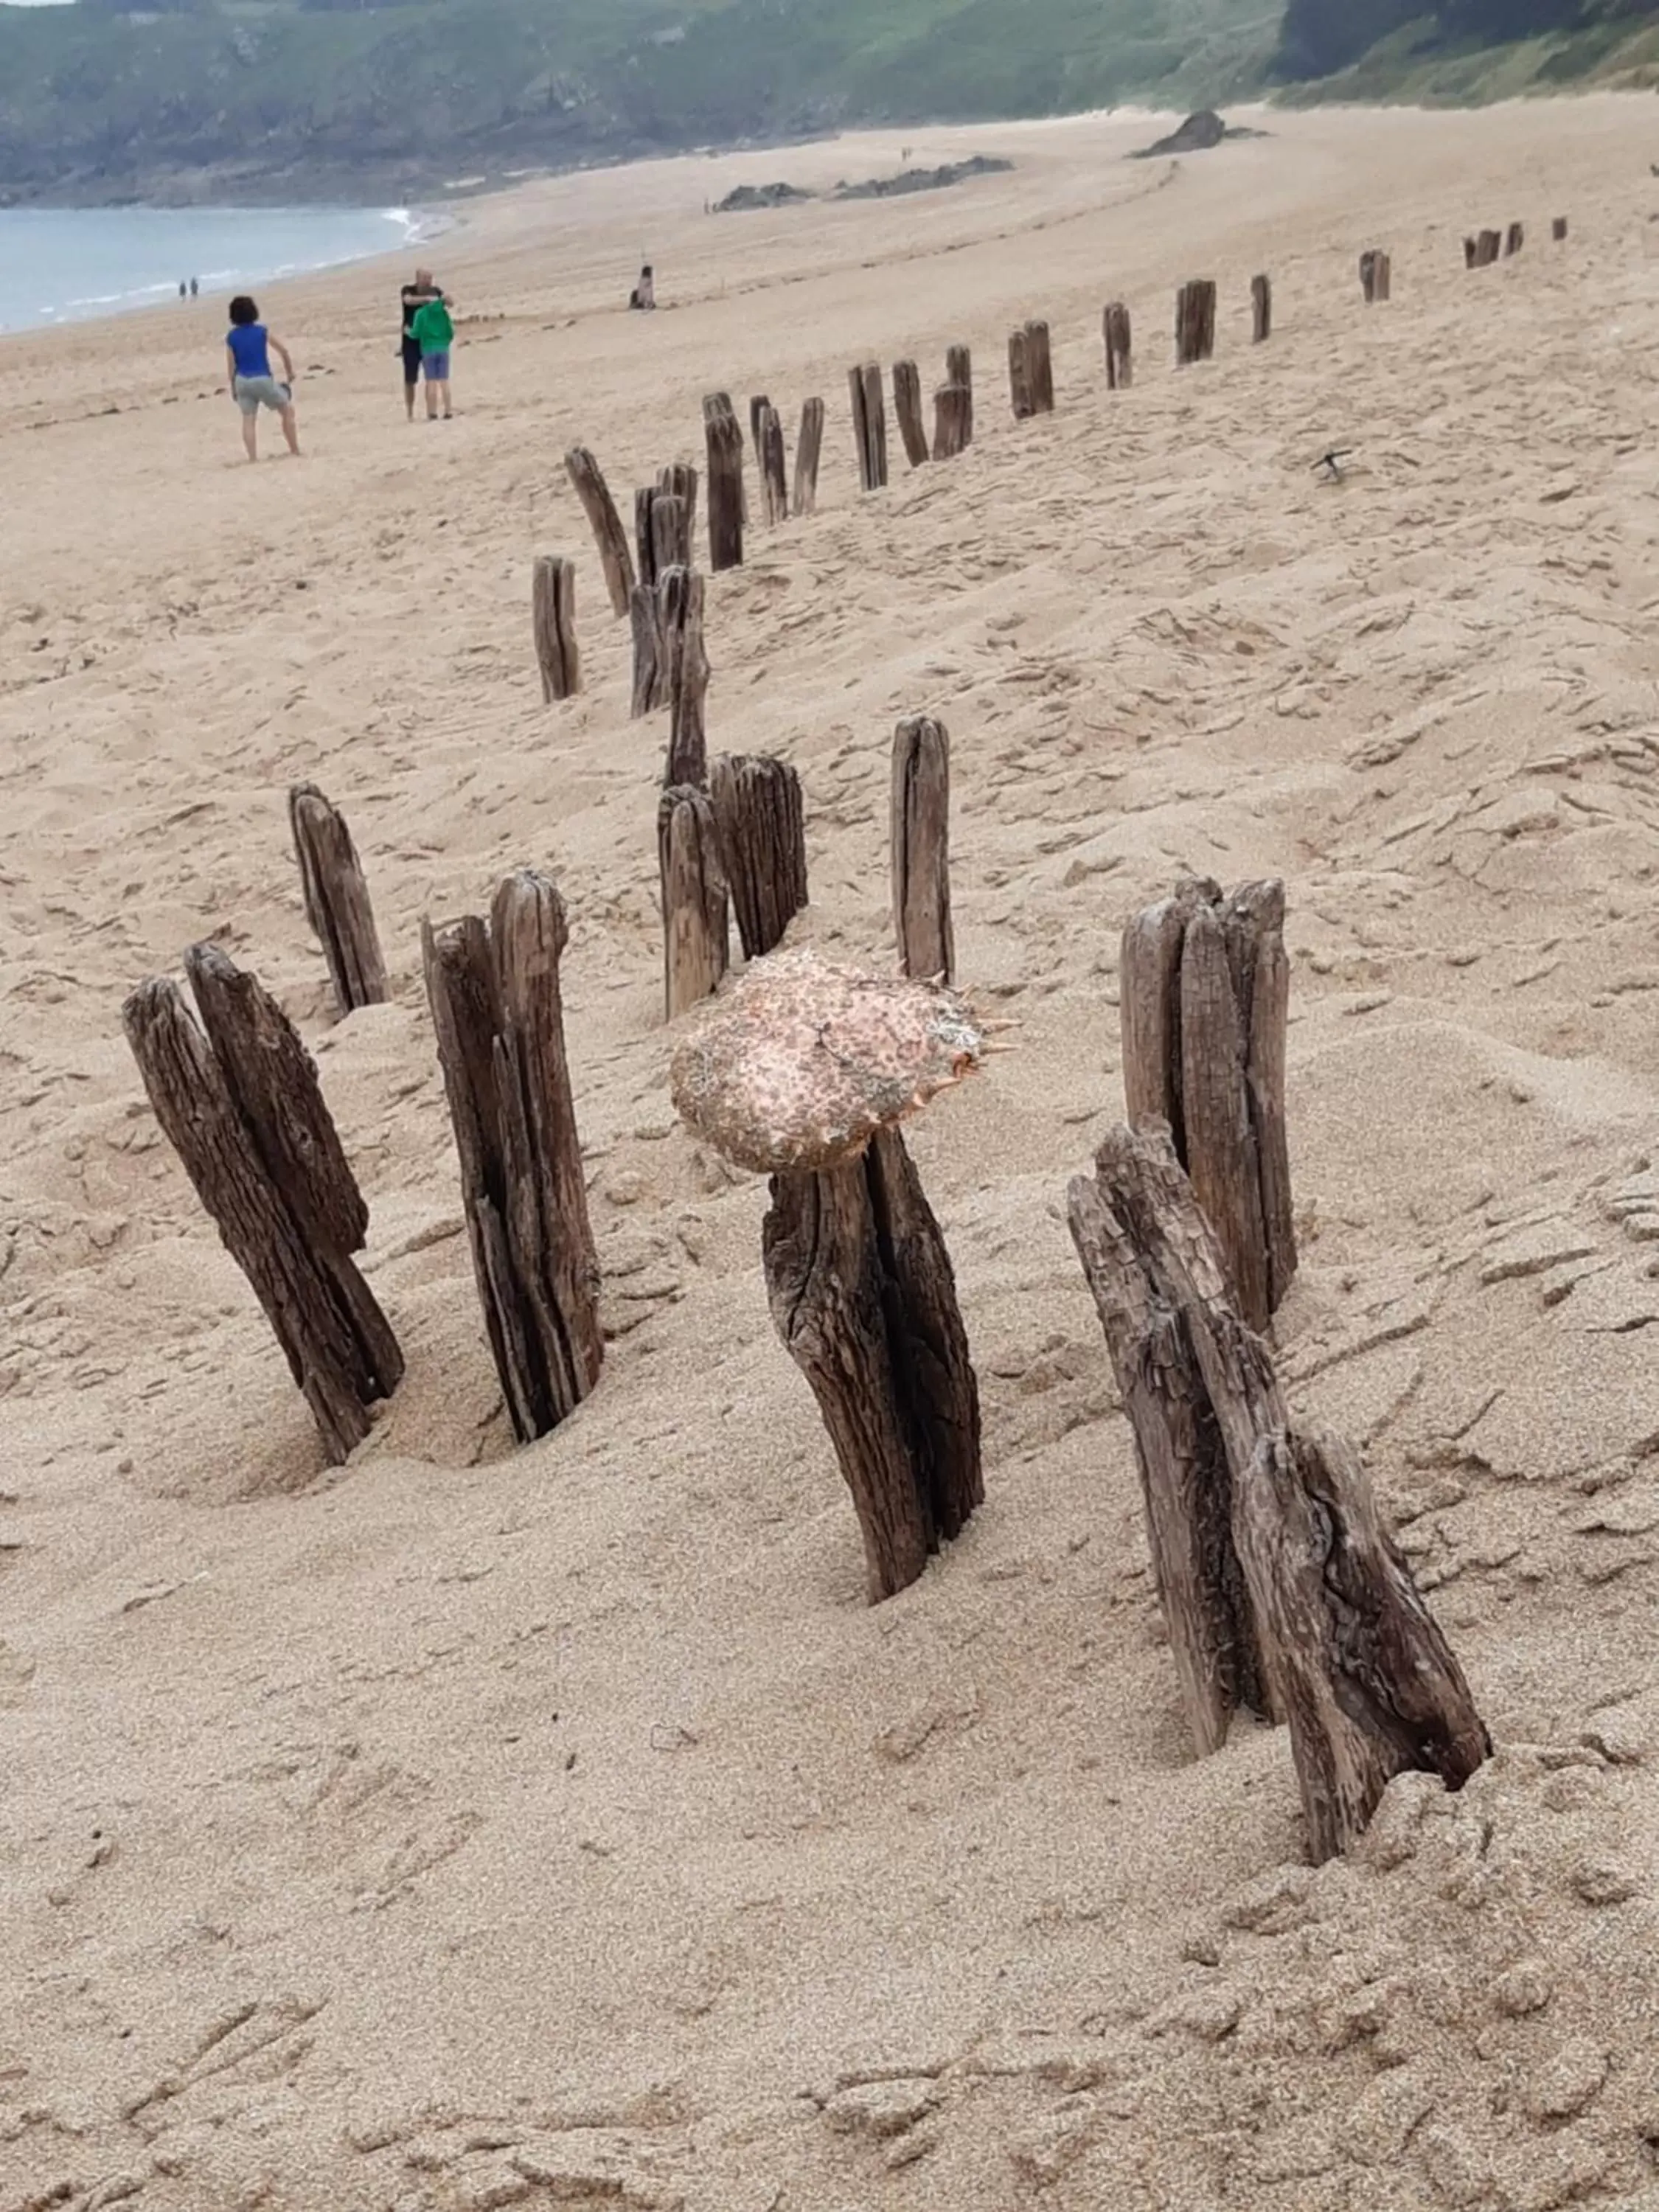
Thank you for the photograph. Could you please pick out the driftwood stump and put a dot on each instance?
(239, 1101)
(1515, 238)
(906, 406)
(662, 531)
(1195, 321)
(336, 900)
(499, 1016)
(1471, 253)
(863, 1295)
(869, 425)
(1204, 987)
(1376, 276)
(608, 532)
(921, 848)
(1117, 332)
(553, 620)
(1261, 309)
(725, 443)
(769, 460)
(679, 481)
(808, 447)
(1351, 1655)
(685, 679)
(1558, 229)
(953, 421)
(762, 826)
(650, 652)
(695, 942)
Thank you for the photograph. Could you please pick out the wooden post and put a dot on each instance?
(762, 838)
(608, 532)
(864, 1296)
(553, 615)
(499, 1016)
(808, 447)
(1204, 988)
(662, 532)
(906, 406)
(769, 456)
(869, 424)
(650, 651)
(1471, 253)
(1117, 332)
(1019, 377)
(1339, 1635)
(953, 420)
(1039, 368)
(959, 371)
(645, 543)
(695, 947)
(1488, 246)
(725, 442)
(1376, 276)
(757, 406)
(1558, 229)
(685, 679)
(1516, 240)
(921, 839)
(1261, 309)
(238, 1099)
(679, 481)
(1195, 321)
(336, 900)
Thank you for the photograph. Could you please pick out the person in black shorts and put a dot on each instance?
(415, 297)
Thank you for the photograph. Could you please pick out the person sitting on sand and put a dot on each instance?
(434, 330)
(644, 294)
(248, 348)
(415, 297)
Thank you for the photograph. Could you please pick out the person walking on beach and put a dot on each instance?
(415, 297)
(434, 333)
(248, 348)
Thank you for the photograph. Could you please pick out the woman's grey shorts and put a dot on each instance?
(253, 392)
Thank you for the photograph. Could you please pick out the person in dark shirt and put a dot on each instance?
(415, 297)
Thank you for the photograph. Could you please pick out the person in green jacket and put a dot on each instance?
(434, 331)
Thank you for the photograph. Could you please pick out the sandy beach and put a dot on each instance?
(472, 1827)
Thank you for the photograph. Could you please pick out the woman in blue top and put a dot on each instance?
(248, 348)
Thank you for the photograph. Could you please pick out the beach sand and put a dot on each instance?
(472, 1827)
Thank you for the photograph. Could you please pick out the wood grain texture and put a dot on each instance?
(769, 460)
(1117, 332)
(1195, 321)
(685, 675)
(959, 372)
(760, 821)
(920, 846)
(609, 535)
(907, 407)
(953, 421)
(553, 624)
(695, 934)
(724, 442)
(809, 446)
(1261, 310)
(1222, 1156)
(336, 900)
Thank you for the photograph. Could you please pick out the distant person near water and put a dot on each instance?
(415, 297)
(183, 287)
(644, 294)
(433, 331)
(192, 288)
(248, 348)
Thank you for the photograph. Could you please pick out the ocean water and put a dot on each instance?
(62, 265)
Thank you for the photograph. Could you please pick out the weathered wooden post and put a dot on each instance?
(684, 678)
(920, 844)
(1376, 276)
(650, 653)
(762, 826)
(804, 1072)
(1488, 247)
(1558, 229)
(808, 447)
(1019, 377)
(1279, 1582)
(869, 424)
(1261, 309)
(662, 531)
(1030, 372)
(679, 481)
(608, 532)
(645, 543)
(1195, 321)
(959, 371)
(769, 461)
(499, 1016)
(1118, 333)
(1516, 240)
(336, 900)
(1471, 253)
(696, 949)
(953, 420)
(238, 1099)
(906, 406)
(1204, 989)
(553, 615)
(725, 442)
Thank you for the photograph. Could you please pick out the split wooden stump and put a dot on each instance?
(680, 480)
(808, 445)
(1376, 276)
(724, 440)
(1195, 321)
(685, 675)
(1261, 309)
(1118, 334)
(662, 530)
(762, 826)
(906, 406)
(869, 424)
(237, 1097)
(499, 1016)
(803, 1072)
(553, 619)
(1515, 238)
(608, 532)
(1279, 1582)
(696, 943)
(920, 844)
(336, 900)
(953, 421)
(771, 463)
(1204, 988)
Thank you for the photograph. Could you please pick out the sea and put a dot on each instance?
(63, 264)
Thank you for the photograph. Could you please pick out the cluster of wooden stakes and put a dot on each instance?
(1284, 1593)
